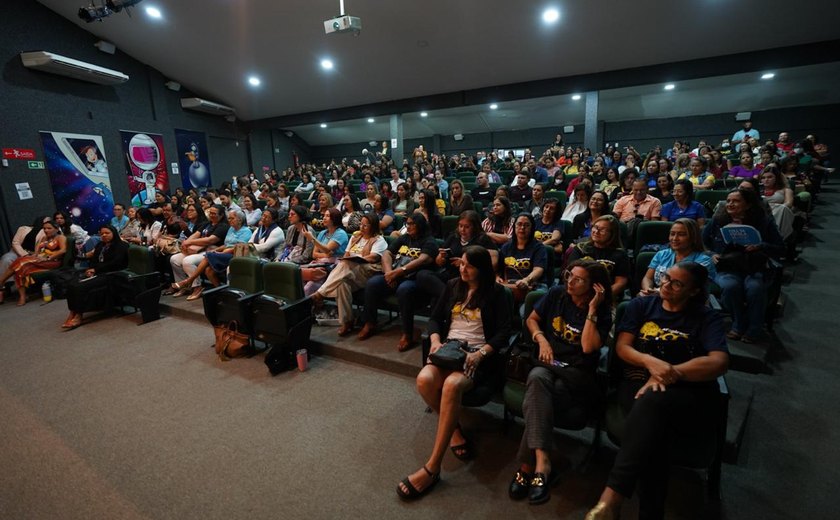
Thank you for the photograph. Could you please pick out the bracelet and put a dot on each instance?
(592, 318)
(536, 335)
(483, 352)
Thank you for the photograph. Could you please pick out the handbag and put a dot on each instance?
(167, 246)
(519, 363)
(450, 356)
(231, 343)
(742, 262)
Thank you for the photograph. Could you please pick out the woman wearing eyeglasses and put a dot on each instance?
(569, 325)
(523, 259)
(674, 348)
(604, 246)
(686, 245)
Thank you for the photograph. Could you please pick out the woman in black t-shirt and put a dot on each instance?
(674, 342)
(569, 325)
(604, 246)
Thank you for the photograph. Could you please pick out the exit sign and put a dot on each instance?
(36, 165)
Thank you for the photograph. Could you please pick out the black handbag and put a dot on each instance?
(450, 356)
(520, 362)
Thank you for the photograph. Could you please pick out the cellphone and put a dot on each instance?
(561, 364)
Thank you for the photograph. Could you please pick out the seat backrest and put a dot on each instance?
(140, 260)
(651, 232)
(246, 274)
(642, 261)
(548, 277)
(283, 280)
(449, 224)
(710, 198)
(560, 197)
(531, 299)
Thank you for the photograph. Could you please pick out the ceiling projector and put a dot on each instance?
(343, 24)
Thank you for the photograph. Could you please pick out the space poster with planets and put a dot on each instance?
(193, 159)
(78, 172)
(145, 166)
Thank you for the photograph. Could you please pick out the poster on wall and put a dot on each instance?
(78, 172)
(193, 159)
(145, 166)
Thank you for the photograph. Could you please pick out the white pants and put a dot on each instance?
(184, 266)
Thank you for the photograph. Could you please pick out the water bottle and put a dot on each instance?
(46, 290)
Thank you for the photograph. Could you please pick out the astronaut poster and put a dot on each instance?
(78, 172)
(145, 166)
(193, 159)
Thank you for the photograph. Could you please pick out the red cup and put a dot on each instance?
(302, 359)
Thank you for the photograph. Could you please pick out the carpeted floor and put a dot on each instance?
(118, 421)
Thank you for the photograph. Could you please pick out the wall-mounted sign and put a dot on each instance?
(18, 153)
(35, 165)
(23, 190)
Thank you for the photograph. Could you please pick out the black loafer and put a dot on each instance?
(518, 488)
(540, 489)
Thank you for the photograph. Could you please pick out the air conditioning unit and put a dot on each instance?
(208, 107)
(63, 66)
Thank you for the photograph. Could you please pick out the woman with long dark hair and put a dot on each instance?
(459, 200)
(523, 259)
(604, 246)
(499, 223)
(569, 325)
(598, 207)
(93, 291)
(473, 309)
(673, 347)
(48, 254)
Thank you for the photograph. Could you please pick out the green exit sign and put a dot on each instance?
(36, 165)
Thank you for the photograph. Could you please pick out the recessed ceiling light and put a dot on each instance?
(370, 120)
(494, 106)
(254, 81)
(327, 64)
(424, 114)
(768, 75)
(576, 97)
(323, 125)
(551, 15)
(154, 12)
(669, 86)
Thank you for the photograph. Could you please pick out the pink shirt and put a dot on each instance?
(627, 208)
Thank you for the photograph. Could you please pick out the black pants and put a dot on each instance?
(91, 294)
(432, 283)
(656, 422)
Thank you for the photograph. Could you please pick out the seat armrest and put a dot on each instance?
(214, 290)
(248, 297)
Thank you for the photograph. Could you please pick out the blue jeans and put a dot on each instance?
(745, 296)
(377, 289)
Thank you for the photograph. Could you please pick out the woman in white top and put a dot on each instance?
(268, 238)
(361, 261)
(149, 229)
(582, 193)
(252, 211)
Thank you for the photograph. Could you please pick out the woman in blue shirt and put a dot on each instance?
(683, 205)
(686, 246)
(328, 246)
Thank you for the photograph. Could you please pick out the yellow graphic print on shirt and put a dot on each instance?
(609, 264)
(542, 237)
(564, 330)
(411, 252)
(518, 263)
(467, 314)
(650, 331)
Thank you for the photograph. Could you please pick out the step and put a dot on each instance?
(741, 395)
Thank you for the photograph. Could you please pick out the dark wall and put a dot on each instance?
(641, 134)
(34, 101)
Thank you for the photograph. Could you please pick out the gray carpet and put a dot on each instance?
(118, 421)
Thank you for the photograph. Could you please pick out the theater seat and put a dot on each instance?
(231, 302)
(138, 285)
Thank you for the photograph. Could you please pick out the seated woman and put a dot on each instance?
(611, 182)
(598, 207)
(110, 254)
(604, 246)
(132, 228)
(268, 238)
(547, 227)
(382, 208)
(683, 205)
(216, 262)
(625, 181)
(352, 217)
(403, 204)
(24, 242)
(448, 260)
(360, 262)
(746, 169)
(406, 255)
(741, 268)
(686, 245)
(459, 200)
(473, 309)
(47, 254)
(581, 201)
(569, 325)
(298, 249)
(698, 174)
(523, 259)
(327, 248)
(149, 231)
(664, 188)
(253, 213)
(499, 223)
(668, 387)
(779, 197)
(77, 237)
(538, 200)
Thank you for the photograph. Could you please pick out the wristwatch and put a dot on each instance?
(483, 352)
(403, 269)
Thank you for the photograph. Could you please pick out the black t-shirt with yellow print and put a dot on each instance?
(674, 337)
(518, 263)
(563, 321)
(615, 260)
(406, 249)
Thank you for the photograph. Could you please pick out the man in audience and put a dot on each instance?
(227, 202)
(638, 205)
(539, 174)
(482, 192)
(744, 134)
(520, 191)
(784, 145)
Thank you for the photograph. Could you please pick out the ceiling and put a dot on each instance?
(414, 49)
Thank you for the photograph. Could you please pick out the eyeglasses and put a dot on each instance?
(569, 278)
(523, 224)
(675, 284)
(600, 229)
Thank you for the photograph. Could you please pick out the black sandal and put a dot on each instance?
(412, 493)
(463, 452)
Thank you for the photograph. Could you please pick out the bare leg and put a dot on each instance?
(21, 295)
(212, 276)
